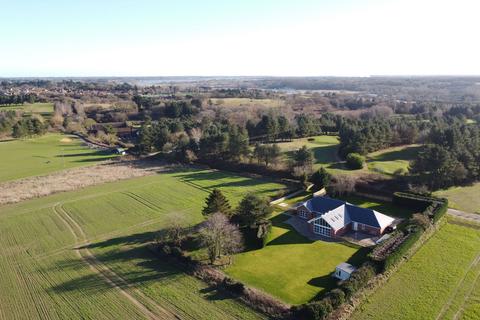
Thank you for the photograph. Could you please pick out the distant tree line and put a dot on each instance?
(15, 99)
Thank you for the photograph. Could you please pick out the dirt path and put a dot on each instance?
(147, 306)
(464, 215)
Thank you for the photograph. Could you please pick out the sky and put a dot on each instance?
(239, 38)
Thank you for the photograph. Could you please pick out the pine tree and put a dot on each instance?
(216, 202)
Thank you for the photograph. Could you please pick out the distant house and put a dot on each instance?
(333, 218)
(343, 271)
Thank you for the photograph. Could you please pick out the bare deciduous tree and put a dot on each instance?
(220, 237)
(342, 184)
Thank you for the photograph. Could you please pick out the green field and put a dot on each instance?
(441, 281)
(296, 269)
(43, 277)
(45, 154)
(463, 198)
(43, 109)
(392, 159)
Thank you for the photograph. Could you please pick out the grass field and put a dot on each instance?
(463, 198)
(247, 102)
(44, 109)
(44, 277)
(392, 159)
(45, 154)
(441, 281)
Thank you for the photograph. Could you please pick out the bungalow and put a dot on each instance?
(333, 218)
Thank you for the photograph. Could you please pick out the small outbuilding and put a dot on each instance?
(344, 270)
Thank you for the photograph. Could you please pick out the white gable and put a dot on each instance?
(336, 218)
(383, 220)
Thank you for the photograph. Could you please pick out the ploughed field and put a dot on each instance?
(83, 255)
(441, 281)
(41, 155)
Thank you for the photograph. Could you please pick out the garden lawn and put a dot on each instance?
(43, 278)
(292, 267)
(434, 282)
(48, 153)
(463, 198)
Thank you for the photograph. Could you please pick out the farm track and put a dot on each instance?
(469, 294)
(459, 286)
(146, 305)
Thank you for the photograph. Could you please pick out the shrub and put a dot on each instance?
(358, 279)
(337, 297)
(233, 286)
(421, 220)
(313, 311)
(355, 161)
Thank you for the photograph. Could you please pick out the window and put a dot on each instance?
(303, 213)
(321, 227)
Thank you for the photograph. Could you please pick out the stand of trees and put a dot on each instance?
(6, 100)
(451, 157)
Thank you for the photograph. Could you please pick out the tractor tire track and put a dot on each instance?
(114, 280)
(447, 305)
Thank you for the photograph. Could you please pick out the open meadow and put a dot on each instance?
(441, 281)
(48, 153)
(392, 160)
(83, 255)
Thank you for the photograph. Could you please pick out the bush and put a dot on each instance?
(313, 311)
(233, 286)
(358, 279)
(355, 161)
(337, 297)
(421, 220)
